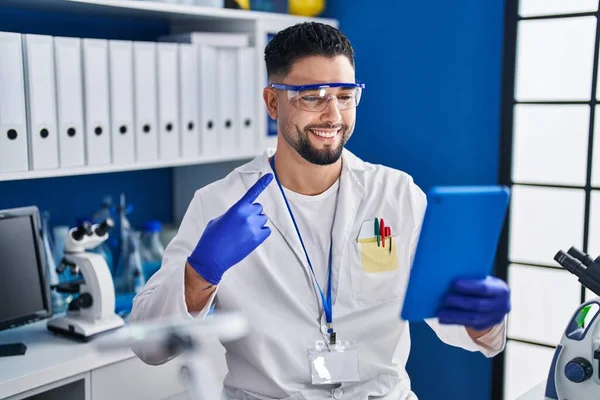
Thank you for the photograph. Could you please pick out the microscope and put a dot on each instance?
(575, 368)
(182, 337)
(93, 311)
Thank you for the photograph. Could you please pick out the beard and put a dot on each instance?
(300, 141)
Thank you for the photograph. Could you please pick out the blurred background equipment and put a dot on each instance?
(151, 248)
(243, 4)
(58, 300)
(275, 6)
(308, 8)
(187, 338)
(129, 270)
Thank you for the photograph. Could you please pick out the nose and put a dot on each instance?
(331, 114)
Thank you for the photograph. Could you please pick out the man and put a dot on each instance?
(265, 240)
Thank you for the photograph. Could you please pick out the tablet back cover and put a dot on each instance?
(459, 239)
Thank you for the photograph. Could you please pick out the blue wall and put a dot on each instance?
(68, 198)
(71, 197)
(432, 108)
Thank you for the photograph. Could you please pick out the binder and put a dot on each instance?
(13, 118)
(188, 100)
(40, 101)
(144, 89)
(216, 39)
(120, 64)
(227, 84)
(247, 100)
(209, 99)
(69, 101)
(96, 98)
(168, 101)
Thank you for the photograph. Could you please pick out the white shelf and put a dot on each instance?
(132, 7)
(101, 169)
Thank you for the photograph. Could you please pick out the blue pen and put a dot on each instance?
(377, 230)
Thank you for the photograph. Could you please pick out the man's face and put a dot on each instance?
(318, 136)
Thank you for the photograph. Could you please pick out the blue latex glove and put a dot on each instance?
(475, 303)
(230, 238)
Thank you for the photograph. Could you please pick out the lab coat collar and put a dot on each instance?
(351, 194)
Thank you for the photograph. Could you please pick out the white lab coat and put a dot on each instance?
(274, 288)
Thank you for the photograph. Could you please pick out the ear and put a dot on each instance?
(270, 98)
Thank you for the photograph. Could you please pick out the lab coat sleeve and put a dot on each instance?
(490, 344)
(163, 296)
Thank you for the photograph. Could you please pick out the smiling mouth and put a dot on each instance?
(326, 133)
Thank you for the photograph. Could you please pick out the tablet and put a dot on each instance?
(459, 239)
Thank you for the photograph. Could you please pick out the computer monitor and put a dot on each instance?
(24, 289)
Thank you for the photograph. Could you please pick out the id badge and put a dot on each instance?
(336, 363)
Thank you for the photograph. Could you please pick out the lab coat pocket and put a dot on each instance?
(376, 272)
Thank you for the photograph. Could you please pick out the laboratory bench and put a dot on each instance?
(56, 367)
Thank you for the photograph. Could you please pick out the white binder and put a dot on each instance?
(209, 95)
(96, 98)
(217, 39)
(13, 119)
(120, 61)
(188, 100)
(69, 101)
(146, 130)
(41, 101)
(227, 84)
(168, 101)
(247, 99)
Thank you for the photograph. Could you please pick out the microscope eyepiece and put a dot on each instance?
(570, 263)
(581, 256)
(82, 230)
(105, 227)
(581, 265)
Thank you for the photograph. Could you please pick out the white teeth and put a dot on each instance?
(327, 135)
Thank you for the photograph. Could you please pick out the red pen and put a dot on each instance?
(382, 232)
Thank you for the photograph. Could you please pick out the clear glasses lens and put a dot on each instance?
(317, 99)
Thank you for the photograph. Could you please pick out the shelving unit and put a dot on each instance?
(181, 18)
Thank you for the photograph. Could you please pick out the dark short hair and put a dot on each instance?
(303, 40)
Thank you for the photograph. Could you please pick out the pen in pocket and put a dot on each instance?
(388, 233)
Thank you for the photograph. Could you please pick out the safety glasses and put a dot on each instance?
(315, 98)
